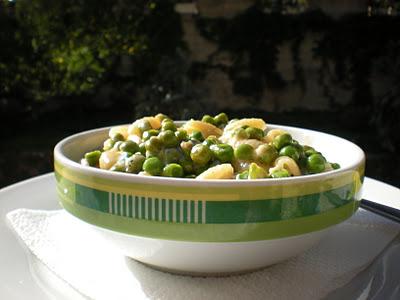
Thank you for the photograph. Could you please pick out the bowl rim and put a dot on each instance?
(61, 158)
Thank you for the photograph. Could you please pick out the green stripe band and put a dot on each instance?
(210, 232)
(215, 212)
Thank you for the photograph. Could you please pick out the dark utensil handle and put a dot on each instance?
(382, 210)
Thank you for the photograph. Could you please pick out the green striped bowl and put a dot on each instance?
(210, 226)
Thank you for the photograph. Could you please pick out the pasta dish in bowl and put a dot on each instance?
(209, 196)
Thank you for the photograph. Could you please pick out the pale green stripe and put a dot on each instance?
(211, 232)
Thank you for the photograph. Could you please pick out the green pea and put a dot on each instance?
(306, 147)
(222, 152)
(108, 144)
(187, 165)
(303, 162)
(149, 133)
(266, 153)
(211, 140)
(172, 155)
(208, 119)
(181, 135)
(309, 150)
(280, 173)
(221, 119)
(335, 166)
(243, 175)
(173, 170)
(144, 125)
(134, 163)
(290, 151)
(196, 135)
(200, 154)
(168, 138)
(154, 144)
(214, 163)
(282, 140)
(129, 146)
(316, 163)
(244, 151)
(152, 154)
(241, 134)
(116, 137)
(142, 148)
(296, 144)
(93, 157)
(168, 125)
(198, 169)
(256, 172)
(153, 166)
(255, 133)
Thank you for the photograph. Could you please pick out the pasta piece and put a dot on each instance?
(155, 123)
(273, 134)
(205, 128)
(251, 122)
(135, 138)
(224, 171)
(287, 163)
(134, 130)
(119, 129)
(328, 167)
(108, 159)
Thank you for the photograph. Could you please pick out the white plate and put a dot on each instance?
(23, 277)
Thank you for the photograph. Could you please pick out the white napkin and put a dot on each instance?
(73, 251)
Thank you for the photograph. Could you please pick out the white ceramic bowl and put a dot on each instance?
(210, 226)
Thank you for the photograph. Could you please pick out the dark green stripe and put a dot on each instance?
(112, 203)
(123, 205)
(156, 208)
(200, 211)
(163, 210)
(142, 209)
(191, 211)
(130, 206)
(150, 207)
(136, 207)
(185, 204)
(91, 198)
(178, 211)
(170, 209)
(119, 211)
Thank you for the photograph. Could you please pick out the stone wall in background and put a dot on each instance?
(324, 59)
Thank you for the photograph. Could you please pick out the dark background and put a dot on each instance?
(68, 66)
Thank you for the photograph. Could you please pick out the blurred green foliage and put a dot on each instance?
(70, 47)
